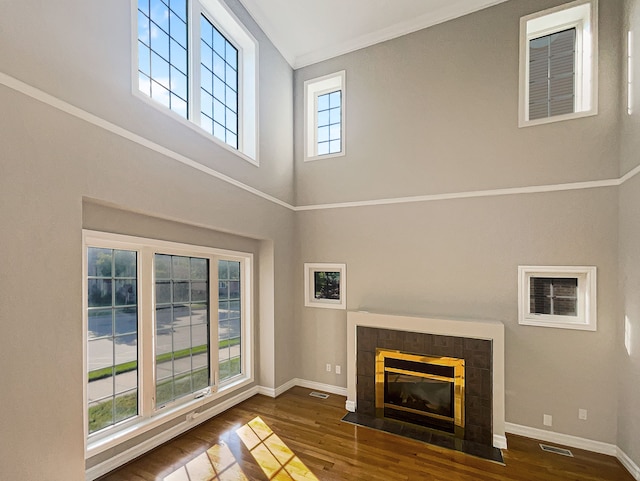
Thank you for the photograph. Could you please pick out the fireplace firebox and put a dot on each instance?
(423, 390)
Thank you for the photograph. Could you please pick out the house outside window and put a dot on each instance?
(167, 325)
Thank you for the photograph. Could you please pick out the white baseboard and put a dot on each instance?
(576, 442)
(628, 463)
(350, 406)
(500, 441)
(564, 439)
(271, 392)
(145, 446)
(318, 386)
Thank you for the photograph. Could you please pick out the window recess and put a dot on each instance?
(324, 114)
(166, 325)
(196, 61)
(562, 297)
(559, 63)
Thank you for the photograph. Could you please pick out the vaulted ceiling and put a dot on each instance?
(309, 31)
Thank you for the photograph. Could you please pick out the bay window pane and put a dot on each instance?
(100, 323)
(177, 342)
(112, 347)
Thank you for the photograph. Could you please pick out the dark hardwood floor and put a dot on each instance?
(300, 437)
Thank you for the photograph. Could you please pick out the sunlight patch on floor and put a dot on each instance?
(216, 464)
(277, 461)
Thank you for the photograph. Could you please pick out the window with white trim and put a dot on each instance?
(551, 296)
(324, 115)
(558, 63)
(198, 61)
(166, 325)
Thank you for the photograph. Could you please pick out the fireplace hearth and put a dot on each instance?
(430, 379)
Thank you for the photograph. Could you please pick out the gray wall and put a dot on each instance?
(629, 319)
(437, 112)
(432, 112)
(57, 174)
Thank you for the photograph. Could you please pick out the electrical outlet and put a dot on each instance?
(338, 369)
(328, 367)
(582, 414)
(547, 419)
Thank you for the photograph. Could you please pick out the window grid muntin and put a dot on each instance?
(164, 53)
(219, 80)
(149, 418)
(125, 398)
(230, 314)
(198, 375)
(554, 103)
(554, 296)
(329, 123)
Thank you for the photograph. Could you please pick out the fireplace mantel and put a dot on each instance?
(476, 329)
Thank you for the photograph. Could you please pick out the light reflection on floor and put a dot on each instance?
(277, 461)
(218, 463)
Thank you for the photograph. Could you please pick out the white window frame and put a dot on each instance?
(313, 88)
(309, 285)
(221, 16)
(148, 416)
(586, 318)
(583, 16)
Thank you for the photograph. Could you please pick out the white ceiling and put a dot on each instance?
(309, 31)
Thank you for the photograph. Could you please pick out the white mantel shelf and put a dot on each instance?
(471, 328)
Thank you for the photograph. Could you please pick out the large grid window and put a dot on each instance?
(219, 84)
(329, 136)
(112, 337)
(195, 58)
(182, 326)
(162, 52)
(154, 343)
(229, 319)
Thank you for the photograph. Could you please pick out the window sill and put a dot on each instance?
(556, 118)
(557, 322)
(130, 430)
(195, 127)
(325, 156)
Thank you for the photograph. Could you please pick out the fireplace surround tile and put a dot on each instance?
(477, 353)
(482, 345)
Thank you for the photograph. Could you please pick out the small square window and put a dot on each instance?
(563, 297)
(558, 63)
(325, 285)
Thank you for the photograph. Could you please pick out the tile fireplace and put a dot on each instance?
(443, 374)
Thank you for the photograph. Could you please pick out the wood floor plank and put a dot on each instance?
(308, 436)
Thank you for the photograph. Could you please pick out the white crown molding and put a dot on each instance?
(450, 12)
(399, 29)
(48, 99)
(471, 194)
(90, 118)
